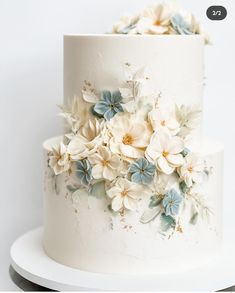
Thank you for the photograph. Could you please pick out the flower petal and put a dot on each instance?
(97, 171)
(163, 166)
(117, 203)
(175, 160)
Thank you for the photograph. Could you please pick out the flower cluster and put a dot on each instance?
(164, 18)
(137, 148)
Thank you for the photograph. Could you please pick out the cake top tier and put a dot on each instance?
(160, 19)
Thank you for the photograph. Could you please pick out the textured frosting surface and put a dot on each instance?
(175, 64)
(82, 233)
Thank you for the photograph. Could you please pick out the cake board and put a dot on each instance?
(30, 261)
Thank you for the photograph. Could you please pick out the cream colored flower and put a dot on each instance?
(59, 159)
(188, 119)
(74, 114)
(90, 136)
(155, 20)
(163, 120)
(126, 25)
(165, 151)
(95, 133)
(76, 148)
(105, 164)
(124, 195)
(192, 170)
(129, 136)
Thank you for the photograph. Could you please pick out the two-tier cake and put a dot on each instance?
(132, 186)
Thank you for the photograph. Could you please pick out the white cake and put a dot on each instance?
(133, 188)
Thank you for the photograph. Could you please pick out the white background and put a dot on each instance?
(31, 85)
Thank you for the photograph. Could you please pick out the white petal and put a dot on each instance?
(114, 191)
(109, 173)
(163, 166)
(117, 203)
(97, 171)
(175, 160)
(175, 145)
(130, 151)
(129, 203)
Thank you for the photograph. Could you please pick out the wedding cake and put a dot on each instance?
(132, 186)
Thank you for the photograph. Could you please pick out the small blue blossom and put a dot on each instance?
(83, 171)
(180, 25)
(142, 171)
(109, 105)
(171, 203)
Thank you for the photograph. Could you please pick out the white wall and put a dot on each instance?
(31, 85)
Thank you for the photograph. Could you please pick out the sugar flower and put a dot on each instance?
(163, 119)
(155, 20)
(180, 25)
(192, 170)
(59, 159)
(126, 25)
(188, 118)
(129, 135)
(105, 164)
(171, 203)
(165, 151)
(124, 195)
(142, 171)
(76, 148)
(109, 105)
(94, 133)
(83, 171)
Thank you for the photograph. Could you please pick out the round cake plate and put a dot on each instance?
(30, 261)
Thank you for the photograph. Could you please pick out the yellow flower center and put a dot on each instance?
(165, 154)
(127, 139)
(124, 193)
(105, 162)
(190, 169)
(157, 22)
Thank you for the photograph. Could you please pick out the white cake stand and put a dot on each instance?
(30, 261)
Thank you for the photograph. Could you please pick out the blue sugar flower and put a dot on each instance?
(171, 203)
(83, 171)
(180, 25)
(142, 171)
(109, 105)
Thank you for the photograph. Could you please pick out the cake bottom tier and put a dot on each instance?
(81, 231)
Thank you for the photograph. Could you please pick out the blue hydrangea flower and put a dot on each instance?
(180, 25)
(171, 202)
(109, 105)
(142, 171)
(83, 171)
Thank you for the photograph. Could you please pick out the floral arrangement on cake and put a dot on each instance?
(131, 143)
(165, 18)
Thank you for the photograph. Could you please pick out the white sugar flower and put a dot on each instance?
(161, 119)
(76, 148)
(188, 118)
(126, 25)
(129, 135)
(59, 159)
(155, 20)
(165, 151)
(192, 169)
(90, 136)
(124, 195)
(105, 164)
(95, 133)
